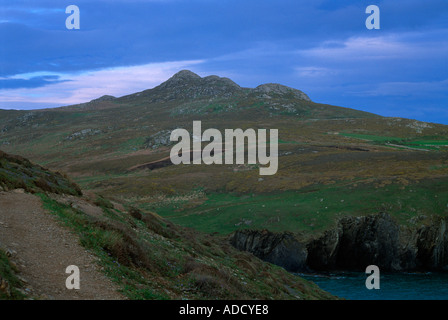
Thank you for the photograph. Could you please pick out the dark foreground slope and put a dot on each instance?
(146, 256)
(18, 172)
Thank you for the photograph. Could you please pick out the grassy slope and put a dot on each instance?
(151, 258)
(321, 149)
(18, 172)
(148, 256)
(310, 210)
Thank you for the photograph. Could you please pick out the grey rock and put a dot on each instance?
(373, 239)
(103, 98)
(282, 249)
(159, 139)
(432, 245)
(353, 244)
(83, 134)
(186, 85)
(269, 89)
(322, 252)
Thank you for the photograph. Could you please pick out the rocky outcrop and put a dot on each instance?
(282, 249)
(356, 243)
(322, 252)
(103, 98)
(353, 244)
(187, 85)
(83, 134)
(269, 89)
(159, 139)
(429, 246)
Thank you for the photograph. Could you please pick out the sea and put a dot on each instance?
(392, 286)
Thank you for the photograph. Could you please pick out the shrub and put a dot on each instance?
(135, 213)
(103, 202)
(125, 247)
(42, 184)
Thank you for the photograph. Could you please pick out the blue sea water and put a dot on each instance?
(393, 286)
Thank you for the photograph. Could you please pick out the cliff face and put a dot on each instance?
(432, 246)
(282, 249)
(354, 244)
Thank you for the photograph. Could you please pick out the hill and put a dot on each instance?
(333, 161)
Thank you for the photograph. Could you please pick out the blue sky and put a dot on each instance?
(321, 47)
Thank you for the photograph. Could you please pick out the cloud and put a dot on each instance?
(407, 89)
(314, 72)
(360, 48)
(32, 82)
(83, 87)
(394, 64)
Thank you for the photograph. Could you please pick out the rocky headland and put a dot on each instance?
(353, 244)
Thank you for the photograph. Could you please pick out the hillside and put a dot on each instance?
(333, 161)
(18, 172)
(143, 255)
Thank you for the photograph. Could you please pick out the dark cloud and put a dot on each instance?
(33, 82)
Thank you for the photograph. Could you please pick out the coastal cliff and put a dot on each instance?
(282, 249)
(353, 244)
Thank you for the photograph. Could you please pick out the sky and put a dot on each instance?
(321, 47)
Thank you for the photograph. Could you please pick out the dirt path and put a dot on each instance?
(42, 250)
(405, 147)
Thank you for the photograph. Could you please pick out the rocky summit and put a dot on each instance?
(187, 85)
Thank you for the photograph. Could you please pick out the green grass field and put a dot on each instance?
(310, 210)
(431, 143)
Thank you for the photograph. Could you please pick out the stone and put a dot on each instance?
(282, 249)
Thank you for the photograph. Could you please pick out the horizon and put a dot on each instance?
(117, 97)
(322, 49)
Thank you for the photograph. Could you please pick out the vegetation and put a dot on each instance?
(152, 258)
(9, 282)
(322, 147)
(426, 143)
(309, 210)
(17, 172)
(333, 162)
